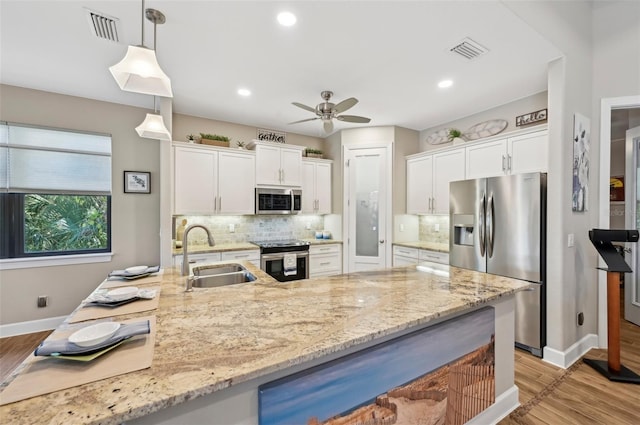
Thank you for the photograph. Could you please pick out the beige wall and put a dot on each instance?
(508, 111)
(135, 217)
(186, 124)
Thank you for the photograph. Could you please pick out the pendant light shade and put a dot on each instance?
(140, 72)
(153, 128)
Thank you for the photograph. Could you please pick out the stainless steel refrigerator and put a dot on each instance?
(498, 226)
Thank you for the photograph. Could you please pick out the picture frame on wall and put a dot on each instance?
(137, 182)
(581, 158)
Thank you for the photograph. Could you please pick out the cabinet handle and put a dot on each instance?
(241, 256)
(503, 166)
(509, 162)
(219, 203)
(429, 203)
(433, 205)
(283, 177)
(325, 264)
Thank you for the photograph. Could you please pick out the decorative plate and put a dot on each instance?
(485, 129)
(439, 137)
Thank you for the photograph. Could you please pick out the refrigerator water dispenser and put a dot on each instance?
(463, 226)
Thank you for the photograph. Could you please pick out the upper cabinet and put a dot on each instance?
(277, 164)
(428, 178)
(513, 155)
(213, 181)
(429, 173)
(316, 186)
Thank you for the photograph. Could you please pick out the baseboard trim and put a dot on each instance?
(21, 328)
(565, 359)
(505, 403)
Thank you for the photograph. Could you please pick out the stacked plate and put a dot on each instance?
(135, 272)
(115, 297)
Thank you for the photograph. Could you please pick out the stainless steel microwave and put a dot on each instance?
(278, 201)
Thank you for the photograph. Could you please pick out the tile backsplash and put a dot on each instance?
(428, 225)
(248, 228)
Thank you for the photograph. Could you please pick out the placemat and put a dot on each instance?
(92, 313)
(43, 375)
(117, 283)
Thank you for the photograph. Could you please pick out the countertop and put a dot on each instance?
(430, 246)
(210, 339)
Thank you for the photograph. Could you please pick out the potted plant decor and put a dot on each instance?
(455, 136)
(313, 153)
(214, 140)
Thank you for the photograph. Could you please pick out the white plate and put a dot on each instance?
(94, 334)
(124, 293)
(136, 269)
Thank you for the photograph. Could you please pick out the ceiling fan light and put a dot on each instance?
(445, 84)
(139, 72)
(153, 128)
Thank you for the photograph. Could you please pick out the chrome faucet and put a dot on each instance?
(185, 254)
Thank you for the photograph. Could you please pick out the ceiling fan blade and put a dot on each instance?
(328, 126)
(353, 118)
(305, 107)
(308, 119)
(345, 104)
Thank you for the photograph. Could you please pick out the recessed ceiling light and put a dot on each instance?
(445, 83)
(244, 92)
(286, 19)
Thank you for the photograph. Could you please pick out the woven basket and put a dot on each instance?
(214, 142)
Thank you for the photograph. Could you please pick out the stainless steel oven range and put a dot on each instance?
(284, 260)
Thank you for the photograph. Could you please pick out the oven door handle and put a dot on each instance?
(280, 255)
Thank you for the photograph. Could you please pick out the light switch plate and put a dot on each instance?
(571, 240)
(232, 228)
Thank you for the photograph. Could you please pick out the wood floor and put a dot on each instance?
(548, 394)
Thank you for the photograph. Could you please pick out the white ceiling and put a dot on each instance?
(388, 54)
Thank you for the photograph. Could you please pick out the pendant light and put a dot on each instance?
(139, 71)
(153, 126)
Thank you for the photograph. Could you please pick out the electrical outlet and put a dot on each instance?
(232, 228)
(436, 227)
(308, 226)
(43, 301)
(580, 319)
(401, 227)
(571, 240)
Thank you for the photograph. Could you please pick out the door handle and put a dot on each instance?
(490, 227)
(482, 224)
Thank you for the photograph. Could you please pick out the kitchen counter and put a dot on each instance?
(211, 339)
(313, 241)
(431, 246)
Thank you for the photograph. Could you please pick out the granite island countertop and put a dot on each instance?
(430, 246)
(211, 339)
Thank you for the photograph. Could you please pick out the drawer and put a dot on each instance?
(324, 249)
(436, 257)
(405, 252)
(247, 254)
(196, 259)
(400, 260)
(324, 263)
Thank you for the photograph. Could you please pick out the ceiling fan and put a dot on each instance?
(327, 111)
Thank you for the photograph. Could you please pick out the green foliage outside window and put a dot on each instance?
(65, 223)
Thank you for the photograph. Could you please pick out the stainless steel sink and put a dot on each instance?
(211, 270)
(212, 276)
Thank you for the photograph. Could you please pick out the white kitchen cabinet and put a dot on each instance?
(278, 165)
(512, 155)
(196, 259)
(209, 181)
(325, 260)
(251, 255)
(404, 256)
(428, 178)
(316, 186)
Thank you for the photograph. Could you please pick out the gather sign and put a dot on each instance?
(272, 136)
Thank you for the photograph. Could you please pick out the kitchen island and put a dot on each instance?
(214, 347)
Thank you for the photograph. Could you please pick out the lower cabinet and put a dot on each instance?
(404, 256)
(196, 259)
(325, 260)
(250, 255)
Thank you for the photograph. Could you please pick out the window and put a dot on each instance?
(55, 192)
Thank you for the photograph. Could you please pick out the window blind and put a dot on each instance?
(42, 160)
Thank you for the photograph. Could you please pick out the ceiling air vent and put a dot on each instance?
(103, 26)
(469, 49)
